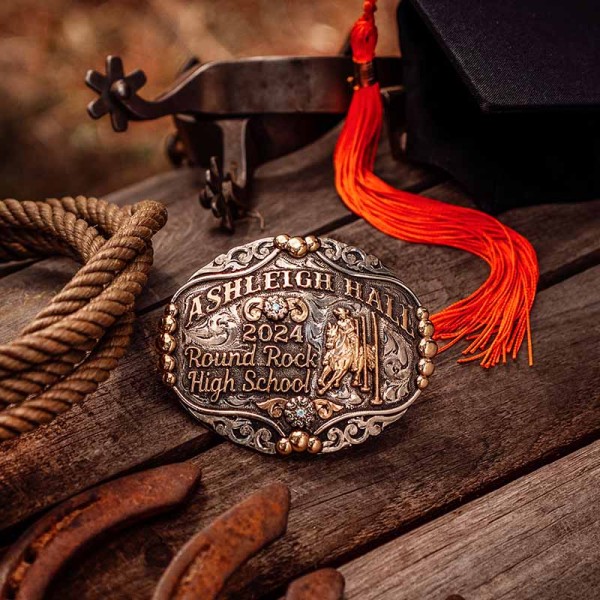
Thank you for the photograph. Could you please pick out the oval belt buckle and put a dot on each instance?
(296, 344)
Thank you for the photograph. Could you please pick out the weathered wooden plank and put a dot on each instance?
(165, 187)
(132, 419)
(474, 430)
(537, 537)
(564, 237)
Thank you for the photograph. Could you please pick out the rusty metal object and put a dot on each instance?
(235, 88)
(223, 196)
(324, 584)
(205, 563)
(238, 113)
(30, 565)
(201, 568)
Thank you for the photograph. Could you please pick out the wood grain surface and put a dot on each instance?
(470, 433)
(537, 537)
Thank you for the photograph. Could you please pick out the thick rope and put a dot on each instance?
(75, 342)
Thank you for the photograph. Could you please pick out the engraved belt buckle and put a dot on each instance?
(293, 344)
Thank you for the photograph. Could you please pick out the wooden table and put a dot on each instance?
(489, 487)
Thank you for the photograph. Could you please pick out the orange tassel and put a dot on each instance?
(495, 318)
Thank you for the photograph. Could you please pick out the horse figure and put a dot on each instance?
(344, 352)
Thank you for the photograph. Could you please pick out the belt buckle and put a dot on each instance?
(292, 344)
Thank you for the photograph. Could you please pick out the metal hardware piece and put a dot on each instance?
(209, 558)
(324, 584)
(232, 116)
(364, 74)
(33, 561)
(296, 345)
(236, 88)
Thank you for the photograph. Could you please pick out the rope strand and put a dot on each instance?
(75, 342)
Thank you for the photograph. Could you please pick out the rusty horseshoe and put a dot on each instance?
(209, 558)
(37, 556)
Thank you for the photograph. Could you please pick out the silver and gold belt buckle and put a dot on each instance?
(293, 344)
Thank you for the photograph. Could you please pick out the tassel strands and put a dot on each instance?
(493, 320)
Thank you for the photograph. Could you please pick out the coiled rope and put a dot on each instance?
(75, 342)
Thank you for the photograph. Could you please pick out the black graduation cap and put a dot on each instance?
(505, 96)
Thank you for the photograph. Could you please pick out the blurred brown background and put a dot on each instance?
(48, 144)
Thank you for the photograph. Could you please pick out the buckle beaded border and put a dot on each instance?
(292, 344)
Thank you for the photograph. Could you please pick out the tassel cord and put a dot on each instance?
(494, 319)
